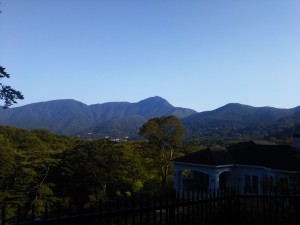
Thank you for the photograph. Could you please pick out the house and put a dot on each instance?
(254, 166)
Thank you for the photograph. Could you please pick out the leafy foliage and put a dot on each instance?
(97, 170)
(7, 93)
(163, 135)
(40, 167)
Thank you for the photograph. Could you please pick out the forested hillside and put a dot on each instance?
(37, 166)
(237, 122)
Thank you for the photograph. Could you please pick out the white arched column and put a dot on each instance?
(213, 181)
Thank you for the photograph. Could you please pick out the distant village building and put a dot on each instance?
(252, 167)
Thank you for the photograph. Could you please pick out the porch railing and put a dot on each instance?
(207, 208)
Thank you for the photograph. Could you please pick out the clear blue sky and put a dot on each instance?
(199, 54)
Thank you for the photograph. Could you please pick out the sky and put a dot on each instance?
(197, 54)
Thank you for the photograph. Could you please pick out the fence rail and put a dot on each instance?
(207, 208)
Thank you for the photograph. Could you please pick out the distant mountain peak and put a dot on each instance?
(156, 100)
(235, 105)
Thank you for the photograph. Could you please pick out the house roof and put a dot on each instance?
(254, 153)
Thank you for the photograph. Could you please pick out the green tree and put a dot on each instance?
(97, 170)
(29, 161)
(28, 158)
(34, 162)
(7, 93)
(7, 161)
(163, 134)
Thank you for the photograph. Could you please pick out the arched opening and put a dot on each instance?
(194, 180)
(225, 180)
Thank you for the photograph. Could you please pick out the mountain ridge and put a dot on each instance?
(68, 116)
(72, 117)
(233, 121)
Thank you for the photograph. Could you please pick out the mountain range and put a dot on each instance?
(123, 119)
(70, 117)
(236, 121)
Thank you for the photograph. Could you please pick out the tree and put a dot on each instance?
(163, 134)
(100, 170)
(7, 160)
(7, 93)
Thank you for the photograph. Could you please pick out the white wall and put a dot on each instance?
(238, 174)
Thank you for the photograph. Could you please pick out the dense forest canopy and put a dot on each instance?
(40, 167)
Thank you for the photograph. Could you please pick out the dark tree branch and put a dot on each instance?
(7, 93)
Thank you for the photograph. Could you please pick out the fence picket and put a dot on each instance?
(207, 207)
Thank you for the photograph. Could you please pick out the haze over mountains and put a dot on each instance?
(121, 119)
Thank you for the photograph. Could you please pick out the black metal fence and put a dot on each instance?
(186, 208)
